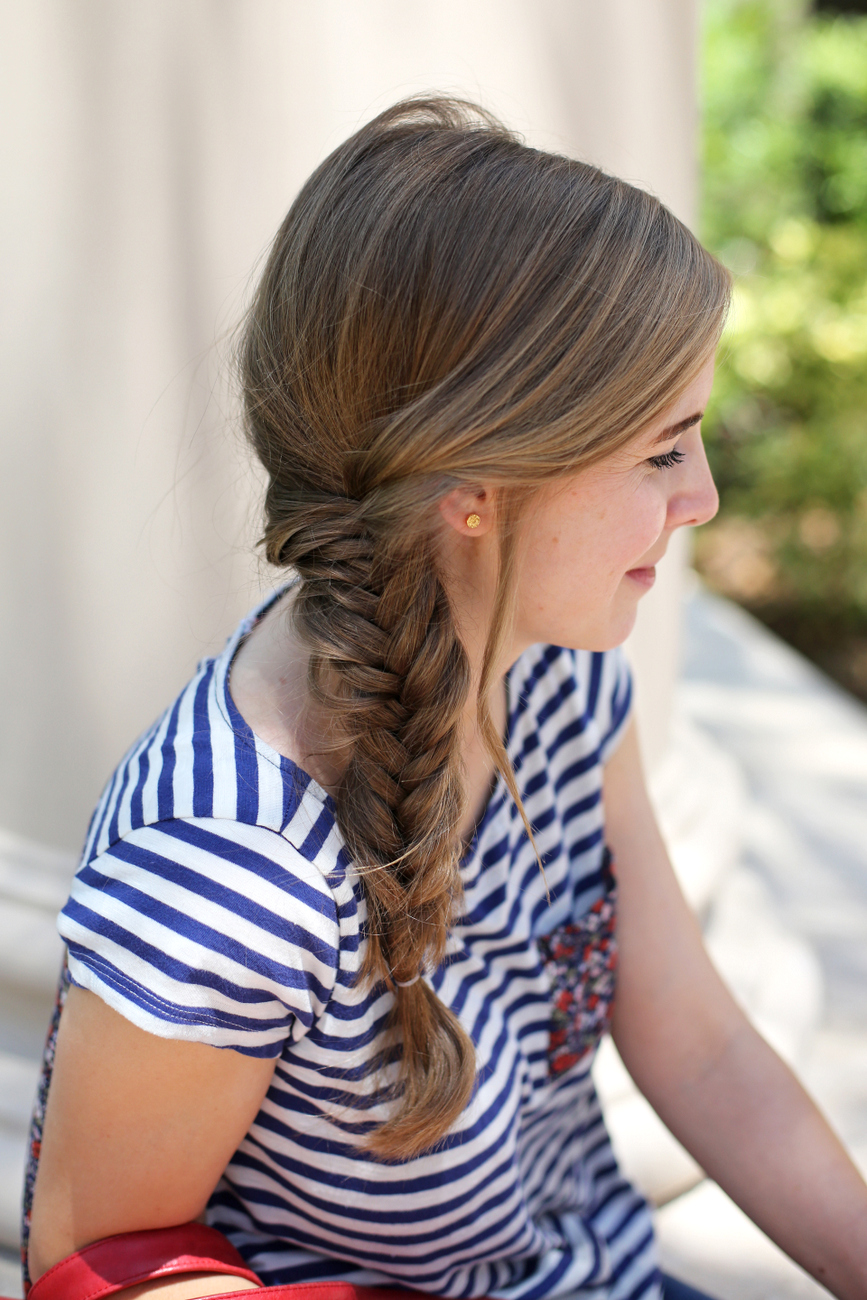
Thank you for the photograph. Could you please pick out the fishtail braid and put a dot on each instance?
(389, 670)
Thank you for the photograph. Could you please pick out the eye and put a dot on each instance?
(667, 459)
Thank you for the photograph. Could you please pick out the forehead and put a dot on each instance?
(684, 411)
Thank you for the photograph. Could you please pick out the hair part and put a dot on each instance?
(442, 306)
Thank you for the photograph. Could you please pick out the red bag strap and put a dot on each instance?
(130, 1258)
(325, 1291)
(114, 1263)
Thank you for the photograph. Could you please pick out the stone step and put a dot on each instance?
(24, 1019)
(34, 881)
(707, 1241)
(34, 873)
(30, 948)
(772, 971)
(12, 1160)
(18, 1081)
(10, 1275)
(698, 794)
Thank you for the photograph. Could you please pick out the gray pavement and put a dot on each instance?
(801, 744)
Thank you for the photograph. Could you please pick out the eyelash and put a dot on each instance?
(668, 459)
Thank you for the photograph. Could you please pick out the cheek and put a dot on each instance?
(588, 549)
(644, 524)
(628, 533)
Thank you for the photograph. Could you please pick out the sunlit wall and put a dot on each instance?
(150, 150)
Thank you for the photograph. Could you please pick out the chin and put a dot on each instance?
(603, 631)
(596, 643)
(605, 638)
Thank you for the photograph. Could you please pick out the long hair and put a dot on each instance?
(442, 306)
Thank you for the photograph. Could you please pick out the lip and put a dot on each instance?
(644, 577)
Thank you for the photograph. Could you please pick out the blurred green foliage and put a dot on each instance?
(785, 207)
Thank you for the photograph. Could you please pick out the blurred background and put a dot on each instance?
(784, 204)
(149, 153)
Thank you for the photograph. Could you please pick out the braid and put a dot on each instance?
(388, 667)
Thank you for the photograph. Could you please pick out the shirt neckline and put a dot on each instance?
(239, 725)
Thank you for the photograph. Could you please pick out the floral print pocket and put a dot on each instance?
(581, 962)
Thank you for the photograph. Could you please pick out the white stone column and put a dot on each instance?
(150, 153)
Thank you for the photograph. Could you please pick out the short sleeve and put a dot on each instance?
(613, 700)
(206, 930)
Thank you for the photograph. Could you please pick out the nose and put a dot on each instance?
(694, 499)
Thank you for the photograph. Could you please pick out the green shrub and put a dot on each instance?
(785, 206)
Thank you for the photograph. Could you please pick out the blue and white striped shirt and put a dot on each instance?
(216, 902)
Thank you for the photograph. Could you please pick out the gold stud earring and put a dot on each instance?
(473, 521)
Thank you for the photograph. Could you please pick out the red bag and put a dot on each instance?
(131, 1258)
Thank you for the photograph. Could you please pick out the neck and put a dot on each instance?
(270, 689)
(470, 568)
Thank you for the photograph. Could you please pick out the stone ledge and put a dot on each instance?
(698, 794)
(12, 1161)
(34, 874)
(707, 1241)
(10, 1275)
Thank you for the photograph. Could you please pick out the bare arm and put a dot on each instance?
(711, 1077)
(137, 1133)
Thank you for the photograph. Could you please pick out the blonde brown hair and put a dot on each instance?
(442, 306)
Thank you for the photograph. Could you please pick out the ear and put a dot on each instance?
(469, 510)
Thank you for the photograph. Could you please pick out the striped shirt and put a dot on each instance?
(216, 902)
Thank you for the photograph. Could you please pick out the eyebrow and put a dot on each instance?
(675, 430)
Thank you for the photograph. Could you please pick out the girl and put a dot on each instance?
(475, 375)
